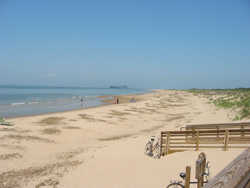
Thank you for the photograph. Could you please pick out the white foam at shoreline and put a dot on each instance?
(19, 103)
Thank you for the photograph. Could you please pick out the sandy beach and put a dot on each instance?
(104, 146)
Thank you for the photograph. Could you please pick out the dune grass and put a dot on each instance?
(234, 99)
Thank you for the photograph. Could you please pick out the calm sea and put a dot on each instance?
(32, 100)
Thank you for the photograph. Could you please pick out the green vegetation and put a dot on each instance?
(237, 100)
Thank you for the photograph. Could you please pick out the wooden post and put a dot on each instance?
(187, 178)
(197, 141)
(226, 138)
(218, 132)
(161, 145)
(200, 169)
(242, 133)
(168, 143)
(193, 134)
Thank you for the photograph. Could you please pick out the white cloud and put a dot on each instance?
(50, 75)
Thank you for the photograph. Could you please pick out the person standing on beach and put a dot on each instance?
(81, 101)
(117, 101)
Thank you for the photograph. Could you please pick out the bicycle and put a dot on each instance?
(152, 149)
(179, 184)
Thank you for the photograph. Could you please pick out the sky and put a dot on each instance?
(161, 44)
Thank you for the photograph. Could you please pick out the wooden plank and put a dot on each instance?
(216, 127)
(184, 133)
(183, 146)
(211, 141)
(238, 140)
(197, 141)
(185, 143)
(210, 146)
(234, 175)
(199, 146)
(219, 125)
(238, 146)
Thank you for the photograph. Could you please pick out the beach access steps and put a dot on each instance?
(224, 136)
(234, 175)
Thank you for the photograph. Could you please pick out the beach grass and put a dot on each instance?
(237, 100)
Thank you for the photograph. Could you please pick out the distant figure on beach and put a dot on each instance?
(133, 99)
(81, 101)
(117, 101)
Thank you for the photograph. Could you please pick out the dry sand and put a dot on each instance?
(104, 146)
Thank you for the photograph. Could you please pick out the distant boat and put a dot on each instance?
(119, 87)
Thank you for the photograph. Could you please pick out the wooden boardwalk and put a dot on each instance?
(184, 140)
(224, 136)
(234, 175)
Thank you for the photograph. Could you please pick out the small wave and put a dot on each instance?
(33, 102)
(77, 97)
(18, 103)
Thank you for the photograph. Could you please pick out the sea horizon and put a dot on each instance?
(16, 100)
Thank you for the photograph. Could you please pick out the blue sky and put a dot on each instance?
(161, 44)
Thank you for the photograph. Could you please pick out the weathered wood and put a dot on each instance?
(167, 143)
(205, 139)
(238, 125)
(238, 146)
(188, 176)
(234, 175)
(194, 146)
(161, 142)
(225, 147)
(197, 141)
(200, 169)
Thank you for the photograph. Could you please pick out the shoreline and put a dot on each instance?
(104, 145)
(125, 99)
(24, 101)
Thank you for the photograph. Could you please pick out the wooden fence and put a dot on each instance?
(184, 140)
(234, 175)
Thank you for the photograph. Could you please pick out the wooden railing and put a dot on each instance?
(183, 140)
(234, 175)
(218, 126)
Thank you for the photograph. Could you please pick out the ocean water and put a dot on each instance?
(32, 100)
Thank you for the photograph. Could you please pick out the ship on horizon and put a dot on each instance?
(119, 87)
